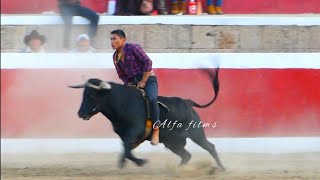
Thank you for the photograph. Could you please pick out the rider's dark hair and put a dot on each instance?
(119, 32)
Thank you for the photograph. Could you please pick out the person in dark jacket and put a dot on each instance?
(140, 7)
(70, 8)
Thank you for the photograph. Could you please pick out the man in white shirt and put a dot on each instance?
(83, 45)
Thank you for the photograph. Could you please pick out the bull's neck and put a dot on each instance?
(114, 103)
(110, 110)
(107, 112)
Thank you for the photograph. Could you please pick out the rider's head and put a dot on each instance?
(118, 39)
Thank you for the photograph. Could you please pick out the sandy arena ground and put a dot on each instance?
(161, 166)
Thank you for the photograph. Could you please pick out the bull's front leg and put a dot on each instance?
(128, 144)
(122, 160)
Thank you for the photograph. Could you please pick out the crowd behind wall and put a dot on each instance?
(229, 6)
(100, 6)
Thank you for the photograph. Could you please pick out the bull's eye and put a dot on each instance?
(94, 109)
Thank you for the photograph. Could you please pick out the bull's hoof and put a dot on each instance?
(141, 162)
(185, 160)
(121, 164)
(223, 169)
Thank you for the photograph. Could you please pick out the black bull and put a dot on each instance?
(126, 108)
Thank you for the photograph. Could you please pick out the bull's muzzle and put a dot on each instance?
(84, 116)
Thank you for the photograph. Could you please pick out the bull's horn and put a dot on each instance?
(78, 86)
(103, 85)
(93, 86)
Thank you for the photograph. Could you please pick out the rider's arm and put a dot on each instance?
(145, 76)
(142, 56)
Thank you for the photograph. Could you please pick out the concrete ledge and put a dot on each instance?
(172, 34)
(164, 60)
(179, 38)
(233, 145)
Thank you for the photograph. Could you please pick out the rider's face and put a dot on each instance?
(116, 41)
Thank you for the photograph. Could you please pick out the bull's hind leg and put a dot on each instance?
(198, 136)
(177, 147)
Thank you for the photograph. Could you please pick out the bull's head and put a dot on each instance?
(94, 91)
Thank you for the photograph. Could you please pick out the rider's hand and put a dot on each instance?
(141, 84)
(130, 84)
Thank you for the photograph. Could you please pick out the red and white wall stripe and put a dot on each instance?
(268, 95)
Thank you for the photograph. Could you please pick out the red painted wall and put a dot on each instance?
(229, 6)
(251, 103)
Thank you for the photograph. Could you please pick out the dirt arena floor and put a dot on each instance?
(161, 166)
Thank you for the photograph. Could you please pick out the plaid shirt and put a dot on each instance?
(133, 61)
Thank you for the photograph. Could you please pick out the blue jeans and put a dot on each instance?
(151, 90)
(67, 13)
(217, 2)
(152, 94)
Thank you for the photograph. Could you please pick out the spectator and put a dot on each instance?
(140, 7)
(34, 42)
(70, 8)
(214, 8)
(83, 45)
(122, 7)
(160, 5)
(146, 7)
(178, 6)
(131, 7)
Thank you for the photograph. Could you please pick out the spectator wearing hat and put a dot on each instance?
(83, 45)
(34, 42)
(70, 8)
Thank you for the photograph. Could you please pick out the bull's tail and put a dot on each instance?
(215, 83)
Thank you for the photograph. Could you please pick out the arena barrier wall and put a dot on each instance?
(274, 97)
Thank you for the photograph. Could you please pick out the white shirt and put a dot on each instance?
(90, 50)
(29, 50)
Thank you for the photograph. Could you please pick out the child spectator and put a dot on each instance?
(83, 45)
(70, 8)
(34, 42)
(146, 7)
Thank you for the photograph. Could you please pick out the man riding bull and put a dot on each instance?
(134, 68)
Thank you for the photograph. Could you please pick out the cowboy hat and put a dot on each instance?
(34, 35)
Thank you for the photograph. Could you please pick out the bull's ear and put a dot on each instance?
(78, 86)
(105, 85)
